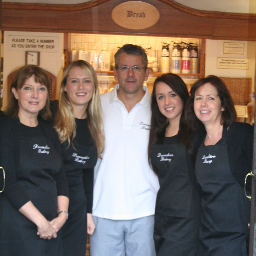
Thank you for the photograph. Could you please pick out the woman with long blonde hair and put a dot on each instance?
(78, 122)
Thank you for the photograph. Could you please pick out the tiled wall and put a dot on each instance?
(111, 42)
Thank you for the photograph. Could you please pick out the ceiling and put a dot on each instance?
(233, 6)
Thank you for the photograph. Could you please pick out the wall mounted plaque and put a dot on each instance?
(232, 63)
(33, 43)
(135, 15)
(235, 48)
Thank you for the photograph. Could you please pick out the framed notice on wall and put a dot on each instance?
(234, 48)
(32, 58)
(232, 63)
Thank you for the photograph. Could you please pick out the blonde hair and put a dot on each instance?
(65, 124)
(18, 81)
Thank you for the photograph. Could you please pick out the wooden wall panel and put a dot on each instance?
(233, 29)
(95, 17)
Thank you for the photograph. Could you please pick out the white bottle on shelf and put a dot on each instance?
(93, 59)
(165, 58)
(104, 60)
(83, 54)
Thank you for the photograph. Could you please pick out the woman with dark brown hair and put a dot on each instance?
(223, 160)
(172, 151)
(35, 200)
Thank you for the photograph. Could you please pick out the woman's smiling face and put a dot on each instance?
(207, 104)
(168, 101)
(31, 97)
(79, 87)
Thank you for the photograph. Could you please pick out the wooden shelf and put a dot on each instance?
(179, 74)
(108, 77)
(111, 73)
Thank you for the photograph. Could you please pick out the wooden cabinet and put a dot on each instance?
(95, 17)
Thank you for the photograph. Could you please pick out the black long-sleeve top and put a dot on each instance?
(240, 150)
(10, 160)
(83, 137)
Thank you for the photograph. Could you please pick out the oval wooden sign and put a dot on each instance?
(135, 15)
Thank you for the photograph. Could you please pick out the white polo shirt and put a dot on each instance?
(125, 186)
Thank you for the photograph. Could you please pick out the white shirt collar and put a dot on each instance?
(144, 102)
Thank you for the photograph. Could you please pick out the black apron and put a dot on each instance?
(76, 161)
(39, 162)
(177, 215)
(225, 209)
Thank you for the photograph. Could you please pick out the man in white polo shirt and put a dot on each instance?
(125, 186)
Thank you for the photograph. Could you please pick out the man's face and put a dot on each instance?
(130, 73)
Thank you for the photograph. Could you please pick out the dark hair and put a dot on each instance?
(159, 122)
(228, 116)
(132, 50)
(18, 81)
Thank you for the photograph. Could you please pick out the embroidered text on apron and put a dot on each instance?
(39, 162)
(225, 209)
(177, 215)
(76, 161)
